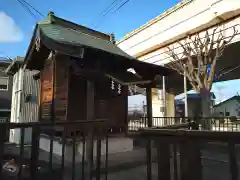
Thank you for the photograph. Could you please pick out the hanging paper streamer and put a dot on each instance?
(119, 88)
(112, 85)
(135, 88)
(130, 90)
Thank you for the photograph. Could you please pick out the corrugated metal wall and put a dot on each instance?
(16, 94)
(27, 111)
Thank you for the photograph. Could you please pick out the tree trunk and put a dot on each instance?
(206, 109)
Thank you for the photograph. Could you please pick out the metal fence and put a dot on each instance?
(157, 122)
(203, 123)
(219, 123)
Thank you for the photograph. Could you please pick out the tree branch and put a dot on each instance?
(198, 53)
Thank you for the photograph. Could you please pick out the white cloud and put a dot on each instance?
(9, 31)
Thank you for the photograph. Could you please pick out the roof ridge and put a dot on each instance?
(51, 19)
(237, 97)
(96, 37)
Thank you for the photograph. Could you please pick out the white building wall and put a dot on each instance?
(232, 106)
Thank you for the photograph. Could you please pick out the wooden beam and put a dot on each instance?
(90, 116)
(128, 83)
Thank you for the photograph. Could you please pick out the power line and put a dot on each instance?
(109, 6)
(27, 9)
(33, 8)
(123, 4)
(107, 10)
(117, 9)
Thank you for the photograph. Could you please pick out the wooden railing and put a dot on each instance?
(180, 153)
(23, 162)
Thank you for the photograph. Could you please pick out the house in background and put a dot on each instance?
(229, 107)
(5, 91)
(194, 105)
(25, 94)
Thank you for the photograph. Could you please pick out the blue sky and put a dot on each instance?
(84, 12)
(17, 24)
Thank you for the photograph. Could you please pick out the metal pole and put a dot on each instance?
(149, 106)
(164, 97)
(185, 93)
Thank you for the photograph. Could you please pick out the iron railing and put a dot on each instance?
(157, 122)
(219, 123)
(202, 123)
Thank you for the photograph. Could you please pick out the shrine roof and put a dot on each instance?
(71, 39)
(68, 33)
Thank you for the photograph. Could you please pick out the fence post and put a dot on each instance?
(2, 135)
(149, 159)
(34, 151)
(233, 161)
(149, 142)
(90, 135)
(98, 160)
(190, 160)
(163, 159)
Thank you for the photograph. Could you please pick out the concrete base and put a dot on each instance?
(15, 136)
(115, 145)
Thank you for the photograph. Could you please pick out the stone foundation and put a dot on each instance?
(115, 145)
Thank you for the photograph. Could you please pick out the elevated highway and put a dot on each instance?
(149, 42)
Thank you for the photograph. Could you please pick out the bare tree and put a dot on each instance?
(198, 58)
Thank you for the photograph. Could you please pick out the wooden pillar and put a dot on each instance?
(149, 142)
(149, 105)
(125, 91)
(89, 117)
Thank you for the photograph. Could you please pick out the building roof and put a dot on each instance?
(68, 33)
(64, 37)
(15, 65)
(237, 98)
(156, 19)
(4, 63)
(198, 95)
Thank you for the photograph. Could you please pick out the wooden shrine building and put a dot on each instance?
(83, 74)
